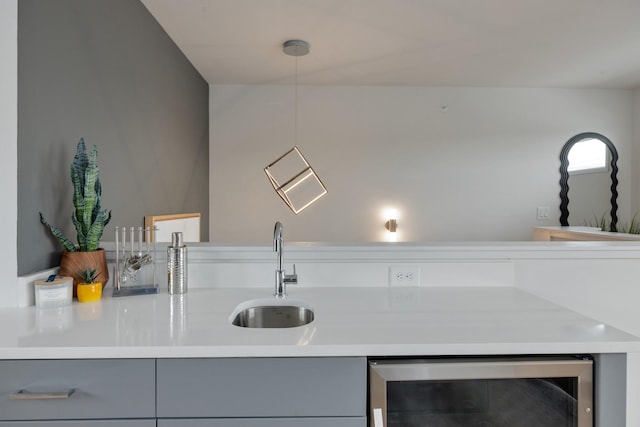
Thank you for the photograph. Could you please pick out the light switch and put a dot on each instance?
(544, 213)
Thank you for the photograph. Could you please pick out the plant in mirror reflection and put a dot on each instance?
(602, 223)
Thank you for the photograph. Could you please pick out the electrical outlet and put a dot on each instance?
(404, 275)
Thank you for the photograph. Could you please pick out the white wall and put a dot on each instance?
(117, 80)
(635, 158)
(9, 158)
(476, 169)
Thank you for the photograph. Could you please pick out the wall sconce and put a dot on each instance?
(392, 223)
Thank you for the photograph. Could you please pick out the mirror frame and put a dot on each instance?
(564, 177)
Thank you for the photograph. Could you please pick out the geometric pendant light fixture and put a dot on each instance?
(291, 175)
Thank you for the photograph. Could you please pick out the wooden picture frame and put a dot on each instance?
(164, 225)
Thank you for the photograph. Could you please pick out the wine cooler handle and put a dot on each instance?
(377, 417)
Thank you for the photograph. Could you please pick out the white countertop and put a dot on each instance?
(358, 321)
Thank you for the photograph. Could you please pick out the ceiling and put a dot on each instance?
(505, 43)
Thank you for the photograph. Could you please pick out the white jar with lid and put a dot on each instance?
(55, 293)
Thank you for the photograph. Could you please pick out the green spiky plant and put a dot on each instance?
(634, 227)
(88, 217)
(89, 275)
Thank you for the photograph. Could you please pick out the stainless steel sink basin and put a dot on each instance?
(273, 316)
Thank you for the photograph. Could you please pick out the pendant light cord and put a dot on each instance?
(295, 103)
(295, 48)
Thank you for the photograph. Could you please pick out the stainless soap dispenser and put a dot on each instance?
(177, 265)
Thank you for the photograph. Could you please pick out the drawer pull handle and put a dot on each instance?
(27, 395)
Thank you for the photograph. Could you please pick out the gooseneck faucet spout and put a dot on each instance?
(278, 243)
(281, 277)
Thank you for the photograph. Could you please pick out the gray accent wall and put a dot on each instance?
(105, 70)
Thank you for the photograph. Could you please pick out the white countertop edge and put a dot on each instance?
(467, 349)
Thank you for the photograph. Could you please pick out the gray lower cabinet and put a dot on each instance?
(266, 422)
(313, 391)
(227, 392)
(79, 423)
(32, 391)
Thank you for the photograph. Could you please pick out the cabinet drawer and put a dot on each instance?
(101, 389)
(88, 423)
(266, 422)
(262, 387)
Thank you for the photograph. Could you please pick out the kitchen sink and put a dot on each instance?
(276, 315)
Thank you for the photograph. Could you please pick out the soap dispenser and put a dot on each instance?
(177, 265)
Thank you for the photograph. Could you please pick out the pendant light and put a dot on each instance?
(291, 175)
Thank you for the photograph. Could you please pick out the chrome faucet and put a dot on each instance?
(282, 279)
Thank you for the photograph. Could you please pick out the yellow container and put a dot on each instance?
(89, 292)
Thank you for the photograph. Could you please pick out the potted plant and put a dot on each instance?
(89, 289)
(88, 217)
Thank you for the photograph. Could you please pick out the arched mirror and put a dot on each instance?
(589, 166)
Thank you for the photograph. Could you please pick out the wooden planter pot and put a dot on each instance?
(72, 263)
